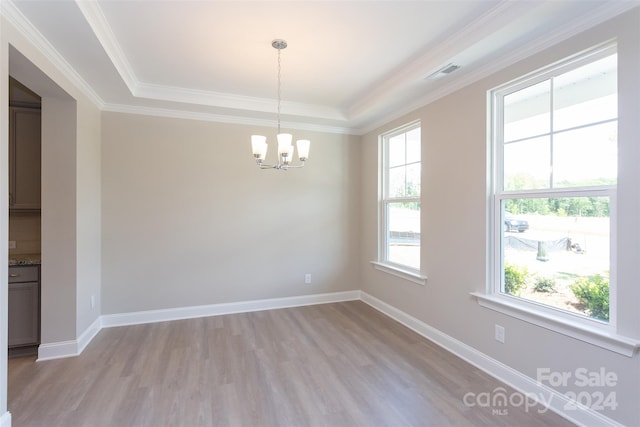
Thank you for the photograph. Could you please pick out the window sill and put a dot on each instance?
(400, 272)
(613, 342)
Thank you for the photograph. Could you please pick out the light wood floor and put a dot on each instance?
(340, 364)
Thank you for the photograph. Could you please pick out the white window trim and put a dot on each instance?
(590, 331)
(579, 327)
(398, 270)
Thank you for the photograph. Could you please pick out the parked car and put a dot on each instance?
(512, 223)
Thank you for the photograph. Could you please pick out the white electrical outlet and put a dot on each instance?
(12, 244)
(500, 333)
(307, 278)
(93, 302)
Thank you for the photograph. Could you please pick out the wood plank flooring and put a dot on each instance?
(341, 364)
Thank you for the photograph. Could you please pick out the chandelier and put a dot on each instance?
(285, 147)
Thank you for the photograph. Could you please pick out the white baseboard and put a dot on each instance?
(89, 334)
(5, 419)
(152, 316)
(62, 349)
(58, 350)
(555, 401)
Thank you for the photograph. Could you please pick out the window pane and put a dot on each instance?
(586, 95)
(527, 164)
(586, 156)
(413, 180)
(527, 112)
(413, 146)
(397, 182)
(556, 252)
(397, 150)
(400, 241)
(403, 235)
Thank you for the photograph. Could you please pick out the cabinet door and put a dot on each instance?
(24, 316)
(24, 158)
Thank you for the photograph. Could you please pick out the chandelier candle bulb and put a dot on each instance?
(259, 146)
(284, 140)
(303, 149)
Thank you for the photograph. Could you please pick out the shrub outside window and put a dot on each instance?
(400, 202)
(554, 186)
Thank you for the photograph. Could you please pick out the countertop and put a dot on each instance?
(24, 259)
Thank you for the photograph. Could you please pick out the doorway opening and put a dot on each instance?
(24, 160)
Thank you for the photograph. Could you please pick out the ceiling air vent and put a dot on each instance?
(447, 69)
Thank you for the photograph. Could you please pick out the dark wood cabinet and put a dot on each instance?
(24, 306)
(24, 158)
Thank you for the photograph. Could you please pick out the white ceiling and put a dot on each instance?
(349, 66)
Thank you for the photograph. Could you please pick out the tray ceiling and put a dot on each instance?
(349, 66)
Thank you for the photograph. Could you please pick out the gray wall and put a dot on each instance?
(59, 232)
(88, 217)
(454, 218)
(188, 219)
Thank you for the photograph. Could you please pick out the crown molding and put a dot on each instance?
(239, 102)
(94, 16)
(597, 16)
(15, 17)
(97, 21)
(436, 57)
(223, 118)
(440, 55)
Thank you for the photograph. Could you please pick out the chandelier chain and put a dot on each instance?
(279, 88)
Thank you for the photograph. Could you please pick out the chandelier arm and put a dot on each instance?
(280, 166)
(265, 165)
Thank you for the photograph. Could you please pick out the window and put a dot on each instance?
(400, 202)
(554, 188)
